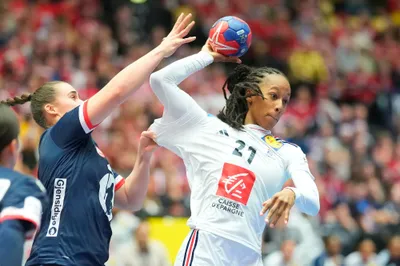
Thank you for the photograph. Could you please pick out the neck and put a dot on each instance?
(3, 163)
(248, 119)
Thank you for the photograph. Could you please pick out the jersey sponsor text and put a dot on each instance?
(60, 185)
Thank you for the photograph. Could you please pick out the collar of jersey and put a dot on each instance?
(257, 129)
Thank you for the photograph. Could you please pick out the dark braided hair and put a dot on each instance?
(42, 96)
(242, 80)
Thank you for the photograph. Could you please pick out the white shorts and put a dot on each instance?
(202, 248)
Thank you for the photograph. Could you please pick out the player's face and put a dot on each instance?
(267, 112)
(67, 98)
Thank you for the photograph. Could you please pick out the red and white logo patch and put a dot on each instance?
(236, 183)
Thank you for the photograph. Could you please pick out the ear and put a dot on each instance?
(14, 147)
(249, 100)
(50, 109)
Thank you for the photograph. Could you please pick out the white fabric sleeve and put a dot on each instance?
(164, 83)
(307, 196)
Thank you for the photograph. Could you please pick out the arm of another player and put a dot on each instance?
(305, 193)
(133, 193)
(133, 76)
(12, 239)
(164, 83)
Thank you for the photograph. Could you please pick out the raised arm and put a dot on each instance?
(165, 82)
(133, 76)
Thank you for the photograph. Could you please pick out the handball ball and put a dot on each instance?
(230, 36)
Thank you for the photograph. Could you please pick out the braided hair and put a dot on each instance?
(240, 82)
(42, 96)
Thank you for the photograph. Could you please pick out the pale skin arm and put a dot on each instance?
(133, 76)
(133, 193)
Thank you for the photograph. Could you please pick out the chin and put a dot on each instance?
(269, 125)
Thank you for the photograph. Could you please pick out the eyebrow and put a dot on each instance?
(277, 88)
(73, 92)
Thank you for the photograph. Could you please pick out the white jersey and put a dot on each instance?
(230, 172)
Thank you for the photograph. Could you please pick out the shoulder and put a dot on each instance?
(215, 121)
(16, 186)
(288, 150)
(44, 138)
(278, 143)
(13, 176)
(28, 184)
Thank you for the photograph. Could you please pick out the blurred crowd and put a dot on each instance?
(342, 59)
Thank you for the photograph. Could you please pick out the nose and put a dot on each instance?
(279, 107)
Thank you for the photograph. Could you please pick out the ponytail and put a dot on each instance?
(17, 100)
(42, 96)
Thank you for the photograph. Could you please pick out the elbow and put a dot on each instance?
(156, 80)
(133, 206)
(314, 206)
(136, 207)
(314, 210)
(309, 205)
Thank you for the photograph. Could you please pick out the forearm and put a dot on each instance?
(164, 83)
(135, 187)
(135, 74)
(122, 86)
(306, 191)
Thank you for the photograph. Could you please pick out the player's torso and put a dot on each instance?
(231, 174)
(80, 185)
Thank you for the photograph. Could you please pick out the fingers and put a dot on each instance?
(184, 23)
(266, 205)
(149, 134)
(272, 212)
(277, 214)
(276, 207)
(287, 212)
(233, 60)
(184, 32)
(178, 22)
(226, 59)
(186, 40)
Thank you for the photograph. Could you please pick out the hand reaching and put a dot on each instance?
(279, 204)
(219, 57)
(176, 38)
(147, 145)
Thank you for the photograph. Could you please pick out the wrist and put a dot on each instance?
(206, 56)
(144, 157)
(158, 52)
(295, 192)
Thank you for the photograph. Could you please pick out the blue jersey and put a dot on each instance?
(80, 183)
(21, 198)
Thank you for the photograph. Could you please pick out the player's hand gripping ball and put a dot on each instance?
(230, 36)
